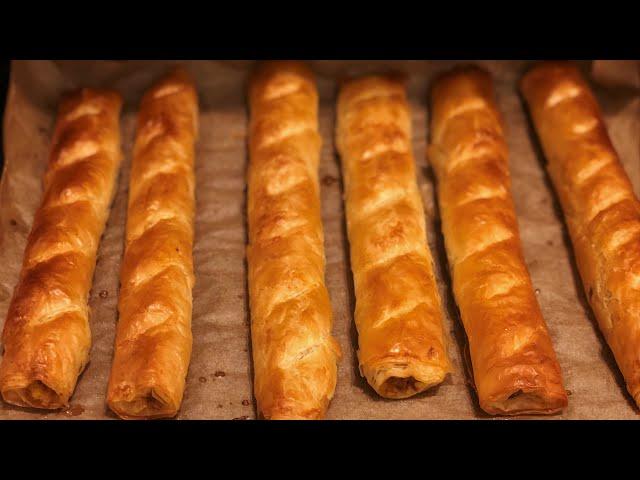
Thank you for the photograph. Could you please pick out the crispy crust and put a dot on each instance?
(153, 342)
(601, 210)
(398, 312)
(514, 364)
(46, 335)
(294, 354)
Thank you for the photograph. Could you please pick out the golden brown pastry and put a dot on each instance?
(514, 364)
(398, 312)
(600, 208)
(294, 354)
(46, 335)
(153, 341)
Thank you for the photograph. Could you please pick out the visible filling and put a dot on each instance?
(401, 386)
(154, 402)
(150, 405)
(36, 394)
(521, 402)
(515, 394)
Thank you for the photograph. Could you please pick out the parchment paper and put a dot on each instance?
(219, 381)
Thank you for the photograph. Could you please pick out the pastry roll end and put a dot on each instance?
(42, 374)
(303, 392)
(131, 401)
(402, 379)
(523, 389)
(25, 392)
(526, 403)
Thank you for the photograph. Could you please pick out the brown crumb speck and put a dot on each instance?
(203, 379)
(246, 403)
(219, 374)
(537, 291)
(569, 393)
(74, 410)
(13, 222)
(103, 294)
(550, 243)
(243, 417)
(329, 180)
(219, 405)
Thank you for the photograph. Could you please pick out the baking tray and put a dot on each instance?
(219, 380)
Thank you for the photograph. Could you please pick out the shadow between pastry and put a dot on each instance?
(247, 304)
(358, 380)
(458, 332)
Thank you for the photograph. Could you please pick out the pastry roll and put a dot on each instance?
(46, 334)
(153, 339)
(514, 365)
(600, 208)
(294, 354)
(398, 312)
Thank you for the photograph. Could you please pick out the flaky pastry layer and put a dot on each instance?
(398, 312)
(153, 340)
(600, 208)
(294, 354)
(46, 334)
(514, 365)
